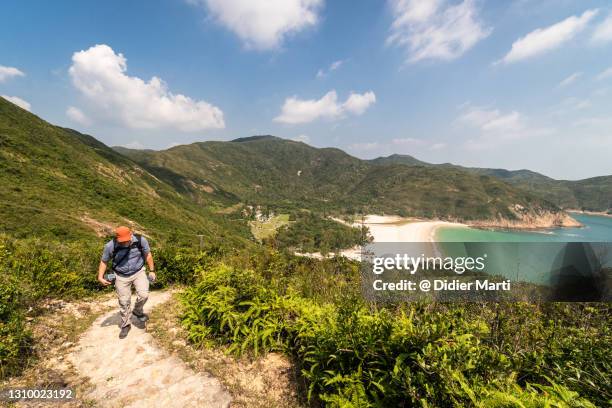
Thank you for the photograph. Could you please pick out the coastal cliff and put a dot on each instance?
(525, 219)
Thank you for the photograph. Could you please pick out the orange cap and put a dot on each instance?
(123, 234)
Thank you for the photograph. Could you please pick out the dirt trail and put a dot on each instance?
(134, 372)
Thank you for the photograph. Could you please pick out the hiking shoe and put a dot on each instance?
(142, 317)
(124, 331)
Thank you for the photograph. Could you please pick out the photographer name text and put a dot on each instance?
(451, 285)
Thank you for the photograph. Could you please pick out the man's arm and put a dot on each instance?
(151, 266)
(101, 270)
(148, 258)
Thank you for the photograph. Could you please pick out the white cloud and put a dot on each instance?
(76, 115)
(545, 39)
(570, 105)
(335, 65)
(603, 32)
(357, 104)
(332, 67)
(569, 80)
(434, 29)
(296, 110)
(496, 125)
(23, 104)
(605, 74)
(302, 138)
(263, 25)
(9, 72)
(491, 121)
(100, 75)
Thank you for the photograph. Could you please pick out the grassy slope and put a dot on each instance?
(264, 170)
(50, 178)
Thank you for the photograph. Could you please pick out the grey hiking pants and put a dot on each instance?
(123, 286)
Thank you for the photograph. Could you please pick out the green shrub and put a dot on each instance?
(15, 339)
(313, 233)
(177, 265)
(354, 355)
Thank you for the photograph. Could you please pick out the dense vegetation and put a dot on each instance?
(592, 194)
(31, 271)
(59, 183)
(350, 353)
(308, 232)
(353, 354)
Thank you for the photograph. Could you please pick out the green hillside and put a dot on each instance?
(271, 171)
(592, 194)
(434, 192)
(263, 170)
(58, 182)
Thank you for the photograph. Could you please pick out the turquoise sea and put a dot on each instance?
(533, 256)
(595, 229)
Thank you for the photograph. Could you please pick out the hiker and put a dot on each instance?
(128, 253)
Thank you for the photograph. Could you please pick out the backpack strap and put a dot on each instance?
(117, 248)
(127, 250)
(139, 246)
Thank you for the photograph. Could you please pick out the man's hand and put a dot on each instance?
(101, 270)
(152, 276)
(103, 281)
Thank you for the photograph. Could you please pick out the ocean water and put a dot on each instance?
(595, 229)
(534, 256)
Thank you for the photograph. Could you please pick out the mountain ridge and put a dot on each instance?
(268, 170)
(590, 194)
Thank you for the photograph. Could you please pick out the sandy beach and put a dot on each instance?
(392, 228)
(398, 229)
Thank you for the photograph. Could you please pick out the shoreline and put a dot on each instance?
(393, 228)
(593, 213)
(398, 229)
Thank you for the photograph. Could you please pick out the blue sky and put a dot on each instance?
(509, 84)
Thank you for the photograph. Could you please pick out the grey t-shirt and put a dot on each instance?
(133, 262)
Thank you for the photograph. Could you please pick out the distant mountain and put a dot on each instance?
(56, 181)
(592, 194)
(268, 170)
